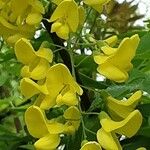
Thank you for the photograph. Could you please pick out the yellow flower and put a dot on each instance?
(108, 140)
(65, 18)
(17, 22)
(96, 4)
(120, 109)
(58, 81)
(91, 145)
(128, 127)
(72, 115)
(114, 63)
(36, 62)
(39, 127)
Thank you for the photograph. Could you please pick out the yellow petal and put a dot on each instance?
(108, 50)
(94, 2)
(72, 114)
(141, 148)
(81, 11)
(63, 32)
(47, 102)
(99, 59)
(97, 7)
(55, 26)
(25, 72)
(128, 127)
(24, 51)
(112, 72)
(57, 2)
(72, 15)
(14, 38)
(111, 41)
(29, 88)
(60, 11)
(18, 6)
(92, 145)
(68, 99)
(39, 72)
(45, 53)
(123, 108)
(55, 128)
(33, 18)
(48, 142)
(108, 140)
(35, 121)
(57, 77)
(126, 52)
(37, 6)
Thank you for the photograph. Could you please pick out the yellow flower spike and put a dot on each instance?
(96, 4)
(66, 14)
(108, 140)
(122, 108)
(115, 65)
(35, 121)
(29, 88)
(72, 115)
(91, 145)
(48, 142)
(128, 127)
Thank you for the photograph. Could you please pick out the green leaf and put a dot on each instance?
(90, 83)
(136, 142)
(144, 45)
(144, 109)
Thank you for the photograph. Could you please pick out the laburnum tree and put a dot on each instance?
(74, 75)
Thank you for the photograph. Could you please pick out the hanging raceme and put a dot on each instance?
(17, 22)
(55, 112)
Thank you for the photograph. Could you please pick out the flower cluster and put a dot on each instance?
(66, 17)
(114, 63)
(125, 121)
(54, 87)
(19, 18)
